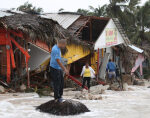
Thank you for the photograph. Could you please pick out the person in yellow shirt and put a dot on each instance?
(87, 73)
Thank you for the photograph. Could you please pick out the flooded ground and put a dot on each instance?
(124, 104)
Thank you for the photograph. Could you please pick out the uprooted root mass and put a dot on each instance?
(68, 107)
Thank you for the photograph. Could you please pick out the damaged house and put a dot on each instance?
(105, 35)
(26, 41)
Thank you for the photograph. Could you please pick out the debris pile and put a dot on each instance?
(115, 86)
(138, 82)
(88, 96)
(68, 107)
(127, 78)
(2, 89)
(23, 87)
(95, 94)
(99, 89)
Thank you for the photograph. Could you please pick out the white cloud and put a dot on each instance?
(55, 5)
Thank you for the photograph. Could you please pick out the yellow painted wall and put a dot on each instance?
(43, 66)
(93, 61)
(75, 53)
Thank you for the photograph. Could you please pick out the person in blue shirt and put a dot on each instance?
(111, 69)
(57, 68)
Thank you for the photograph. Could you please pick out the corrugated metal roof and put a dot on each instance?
(4, 13)
(65, 20)
(18, 12)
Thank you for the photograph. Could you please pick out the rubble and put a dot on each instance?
(2, 89)
(138, 82)
(115, 87)
(127, 79)
(88, 96)
(23, 87)
(125, 87)
(130, 89)
(68, 107)
(95, 94)
(99, 89)
(44, 92)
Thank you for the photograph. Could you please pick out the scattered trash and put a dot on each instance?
(89, 96)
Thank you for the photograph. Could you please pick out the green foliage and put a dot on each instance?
(135, 19)
(100, 11)
(29, 8)
(83, 12)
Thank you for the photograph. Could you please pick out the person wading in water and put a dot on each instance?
(57, 68)
(111, 70)
(87, 73)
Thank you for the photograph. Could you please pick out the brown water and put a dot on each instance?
(125, 104)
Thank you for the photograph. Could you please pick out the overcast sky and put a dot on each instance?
(55, 5)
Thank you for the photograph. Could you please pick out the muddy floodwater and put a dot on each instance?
(125, 104)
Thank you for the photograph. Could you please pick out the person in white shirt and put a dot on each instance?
(87, 73)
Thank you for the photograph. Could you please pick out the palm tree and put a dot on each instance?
(139, 23)
(114, 9)
(134, 18)
(29, 8)
(99, 11)
(83, 11)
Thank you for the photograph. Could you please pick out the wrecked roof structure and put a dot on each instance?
(31, 35)
(35, 27)
(91, 28)
(87, 28)
(65, 20)
(102, 33)
(34, 35)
